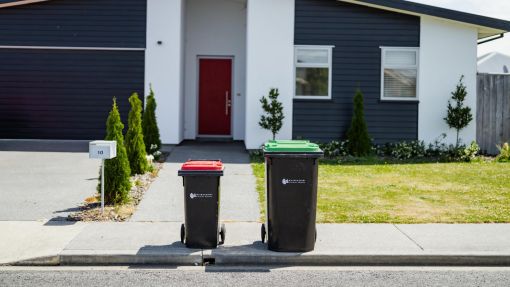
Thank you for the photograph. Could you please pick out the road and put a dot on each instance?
(254, 276)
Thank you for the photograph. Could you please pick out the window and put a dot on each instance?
(399, 75)
(313, 72)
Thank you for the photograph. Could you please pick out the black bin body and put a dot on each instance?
(201, 207)
(291, 201)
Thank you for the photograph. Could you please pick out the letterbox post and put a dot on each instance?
(102, 150)
(102, 186)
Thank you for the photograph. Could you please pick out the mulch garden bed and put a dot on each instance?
(91, 208)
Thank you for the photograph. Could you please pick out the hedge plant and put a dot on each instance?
(116, 170)
(359, 141)
(150, 125)
(135, 145)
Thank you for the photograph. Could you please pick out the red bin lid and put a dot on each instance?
(205, 165)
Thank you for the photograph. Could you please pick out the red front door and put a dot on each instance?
(215, 92)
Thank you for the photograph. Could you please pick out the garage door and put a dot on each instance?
(64, 94)
(62, 62)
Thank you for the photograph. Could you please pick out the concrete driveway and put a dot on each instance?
(164, 201)
(43, 180)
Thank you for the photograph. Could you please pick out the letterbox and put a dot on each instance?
(103, 149)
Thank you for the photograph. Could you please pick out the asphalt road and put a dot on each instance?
(260, 276)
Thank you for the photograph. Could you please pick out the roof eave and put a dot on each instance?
(486, 26)
(19, 2)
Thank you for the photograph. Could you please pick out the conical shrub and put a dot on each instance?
(359, 141)
(150, 125)
(135, 146)
(116, 170)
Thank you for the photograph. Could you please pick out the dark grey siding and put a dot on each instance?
(357, 33)
(67, 94)
(52, 94)
(77, 23)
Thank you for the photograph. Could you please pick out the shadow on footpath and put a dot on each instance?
(228, 152)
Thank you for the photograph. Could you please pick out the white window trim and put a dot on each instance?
(329, 65)
(383, 66)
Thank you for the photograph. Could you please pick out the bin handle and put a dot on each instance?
(205, 159)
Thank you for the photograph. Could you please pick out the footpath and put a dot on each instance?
(61, 243)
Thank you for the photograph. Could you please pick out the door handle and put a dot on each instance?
(227, 103)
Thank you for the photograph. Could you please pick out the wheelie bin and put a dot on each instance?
(201, 180)
(291, 192)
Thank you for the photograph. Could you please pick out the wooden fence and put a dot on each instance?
(493, 111)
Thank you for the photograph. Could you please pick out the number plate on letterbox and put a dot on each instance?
(103, 149)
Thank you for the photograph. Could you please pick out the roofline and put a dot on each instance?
(501, 26)
(19, 2)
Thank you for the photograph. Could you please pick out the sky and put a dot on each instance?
(491, 8)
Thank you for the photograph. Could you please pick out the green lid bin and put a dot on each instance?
(291, 146)
(291, 178)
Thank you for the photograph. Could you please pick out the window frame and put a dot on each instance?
(329, 65)
(384, 66)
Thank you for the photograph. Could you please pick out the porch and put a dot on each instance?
(209, 63)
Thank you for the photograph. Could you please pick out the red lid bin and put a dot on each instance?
(201, 180)
(202, 167)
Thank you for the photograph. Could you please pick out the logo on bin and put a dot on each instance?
(286, 181)
(200, 195)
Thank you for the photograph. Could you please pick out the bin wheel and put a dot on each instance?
(263, 233)
(223, 233)
(183, 233)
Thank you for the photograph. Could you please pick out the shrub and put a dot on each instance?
(273, 117)
(116, 170)
(135, 146)
(150, 128)
(437, 148)
(458, 116)
(335, 149)
(359, 141)
(405, 150)
(470, 152)
(504, 153)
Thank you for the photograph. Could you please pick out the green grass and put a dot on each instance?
(372, 191)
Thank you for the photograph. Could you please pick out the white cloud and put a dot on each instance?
(491, 8)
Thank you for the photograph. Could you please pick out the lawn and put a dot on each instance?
(377, 192)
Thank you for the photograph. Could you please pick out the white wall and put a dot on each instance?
(270, 55)
(448, 51)
(163, 65)
(215, 28)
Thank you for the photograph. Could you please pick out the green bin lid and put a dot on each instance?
(297, 146)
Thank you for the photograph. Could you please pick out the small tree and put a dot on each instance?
(150, 125)
(135, 145)
(359, 141)
(458, 116)
(272, 119)
(116, 170)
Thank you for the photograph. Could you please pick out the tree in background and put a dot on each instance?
(359, 141)
(458, 116)
(150, 125)
(135, 145)
(272, 119)
(116, 170)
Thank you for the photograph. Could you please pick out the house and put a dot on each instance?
(494, 63)
(210, 61)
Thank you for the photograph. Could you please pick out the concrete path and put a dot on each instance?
(337, 244)
(42, 241)
(239, 200)
(38, 183)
